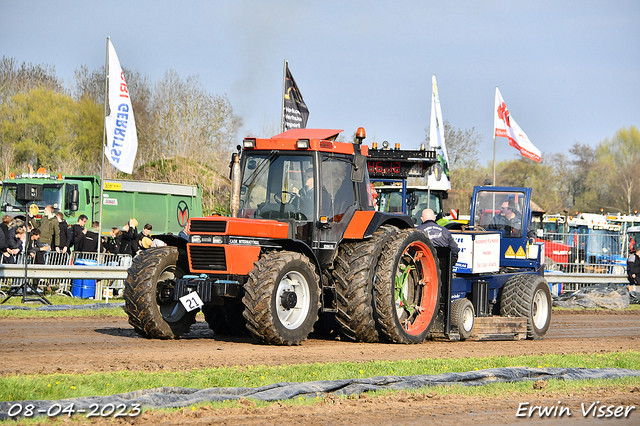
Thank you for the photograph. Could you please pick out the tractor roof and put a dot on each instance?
(320, 134)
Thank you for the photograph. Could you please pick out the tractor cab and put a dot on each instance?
(304, 178)
(507, 210)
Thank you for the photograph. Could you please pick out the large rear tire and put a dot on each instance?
(282, 298)
(407, 287)
(528, 296)
(148, 295)
(354, 274)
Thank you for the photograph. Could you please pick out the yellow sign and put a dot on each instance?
(34, 210)
(520, 254)
(510, 252)
(112, 186)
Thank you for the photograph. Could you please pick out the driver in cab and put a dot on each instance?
(508, 220)
(306, 193)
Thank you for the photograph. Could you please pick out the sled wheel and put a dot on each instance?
(148, 295)
(462, 317)
(407, 287)
(282, 298)
(354, 274)
(528, 296)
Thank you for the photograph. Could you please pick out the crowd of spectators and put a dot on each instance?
(52, 233)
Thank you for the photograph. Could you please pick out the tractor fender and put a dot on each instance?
(365, 223)
(299, 246)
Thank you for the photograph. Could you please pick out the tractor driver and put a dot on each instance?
(508, 220)
(306, 193)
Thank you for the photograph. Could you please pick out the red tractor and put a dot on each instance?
(304, 239)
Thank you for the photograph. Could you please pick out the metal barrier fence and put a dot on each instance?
(597, 252)
(62, 264)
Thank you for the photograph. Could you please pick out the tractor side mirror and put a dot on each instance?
(358, 168)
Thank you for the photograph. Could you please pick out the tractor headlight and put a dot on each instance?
(217, 239)
(196, 239)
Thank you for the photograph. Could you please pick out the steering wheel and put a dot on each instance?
(292, 196)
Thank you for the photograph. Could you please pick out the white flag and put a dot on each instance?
(122, 139)
(438, 177)
(505, 126)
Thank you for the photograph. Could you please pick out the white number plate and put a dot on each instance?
(191, 301)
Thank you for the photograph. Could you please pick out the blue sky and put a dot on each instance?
(569, 71)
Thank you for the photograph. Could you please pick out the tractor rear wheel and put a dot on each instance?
(354, 274)
(407, 287)
(528, 296)
(148, 295)
(226, 320)
(282, 298)
(462, 317)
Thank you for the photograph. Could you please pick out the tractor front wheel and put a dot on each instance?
(149, 295)
(282, 298)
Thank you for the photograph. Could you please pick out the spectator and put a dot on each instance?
(78, 232)
(65, 233)
(633, 265)
(130, 237)
(36, 248)
(49, 228)
(439, 236)
(145, 241)
(90, 242)
(17, 239)
(113, 243)
(4, 234)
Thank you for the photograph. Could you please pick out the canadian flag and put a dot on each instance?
(505, 126)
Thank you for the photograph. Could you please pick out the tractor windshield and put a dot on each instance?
(501, 211)
(278, 187)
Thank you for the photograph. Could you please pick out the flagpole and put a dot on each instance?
(104, 143)
(284, 85)
(494, 137)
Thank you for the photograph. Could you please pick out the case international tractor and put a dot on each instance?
(304, 239)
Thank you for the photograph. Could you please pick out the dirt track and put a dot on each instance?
(80, 345)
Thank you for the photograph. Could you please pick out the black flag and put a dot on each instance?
(295, 112)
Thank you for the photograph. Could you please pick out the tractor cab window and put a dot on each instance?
(422, 199)
(500, 211)
(278, 187)
(337, 192)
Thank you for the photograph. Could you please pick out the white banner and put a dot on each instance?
(438, 177)
(505, 126)
(122, 139)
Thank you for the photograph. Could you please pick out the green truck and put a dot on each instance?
(166, 206)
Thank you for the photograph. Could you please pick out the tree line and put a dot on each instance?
(586, 179)
(186, 135)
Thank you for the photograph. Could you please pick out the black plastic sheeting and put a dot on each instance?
(597, 296)
(94, 306)
(167, 397)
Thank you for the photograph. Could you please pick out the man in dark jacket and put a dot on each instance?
(65, 233)
(36, 248)
(4, 232)
(77, 233)
(439, 236)
(90, 242)
(633, 265)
